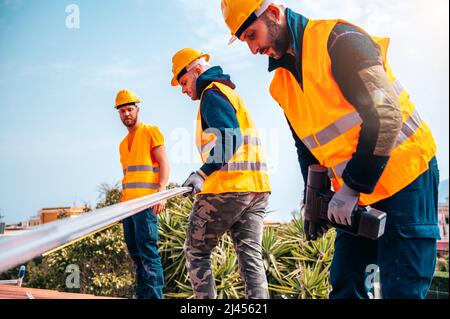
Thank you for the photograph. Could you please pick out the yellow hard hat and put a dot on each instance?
(239, 15)
(181, 61)
(126, 97)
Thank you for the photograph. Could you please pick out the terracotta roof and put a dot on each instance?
(62, 208)
(442, 245)
(272, 222)
(15, 292)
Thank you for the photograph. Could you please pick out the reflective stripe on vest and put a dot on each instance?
(330, 126)
(410, 126)
(246, 171)
(245, 166)
(143, 168)
(140, 185)
(333, 131)
(247, 140)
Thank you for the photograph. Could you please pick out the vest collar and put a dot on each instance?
(214, 74)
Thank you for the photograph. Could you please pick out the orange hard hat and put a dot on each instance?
(182, 59)
(126, 97)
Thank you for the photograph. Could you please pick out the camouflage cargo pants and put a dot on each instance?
(242, 214)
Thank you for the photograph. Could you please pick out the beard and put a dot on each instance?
(194, 96)
(278, 37)
(130, 122)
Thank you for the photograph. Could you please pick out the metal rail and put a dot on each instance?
(42, 239)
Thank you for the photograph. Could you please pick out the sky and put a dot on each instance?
(59, 133)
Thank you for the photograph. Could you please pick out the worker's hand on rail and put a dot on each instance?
(342, 206)
(159, 208)
(196, 181)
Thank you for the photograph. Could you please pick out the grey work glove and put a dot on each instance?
(342, 206)
(196, 181)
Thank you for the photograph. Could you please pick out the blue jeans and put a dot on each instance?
(141, 237)
(405, 254)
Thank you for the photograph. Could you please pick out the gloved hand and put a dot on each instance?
(342, 205)
(196, 181)
(314, 230)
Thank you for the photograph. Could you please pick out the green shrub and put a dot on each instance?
(442, 265)
(440, 286)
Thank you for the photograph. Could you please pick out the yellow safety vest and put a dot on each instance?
(141, 171)
(247, 169)
(330, 126)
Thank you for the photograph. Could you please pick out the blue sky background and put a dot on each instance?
(59, 135)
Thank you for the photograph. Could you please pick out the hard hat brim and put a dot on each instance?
(232, 40)
(175, 81)
(118, 107)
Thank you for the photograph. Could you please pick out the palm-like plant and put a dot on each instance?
(172, 233)
(305, 267)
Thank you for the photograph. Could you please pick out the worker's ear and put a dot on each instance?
(198, 71)
(273, 12)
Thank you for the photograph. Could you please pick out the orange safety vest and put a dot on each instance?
(330, 126)
(246, 171)
(141, 171)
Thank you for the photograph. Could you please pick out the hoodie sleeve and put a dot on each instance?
(218, 113)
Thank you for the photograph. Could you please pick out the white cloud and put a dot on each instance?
(34, 70)
(116, 73)
(207, 25)
(112, 74)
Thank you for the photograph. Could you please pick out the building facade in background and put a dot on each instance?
(45, 216)
(48, 215)
(443, 225)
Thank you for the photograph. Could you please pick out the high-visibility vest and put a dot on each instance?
(330, 126)
(247, 170)
(141, 171)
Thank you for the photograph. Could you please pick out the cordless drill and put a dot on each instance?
(366, 222)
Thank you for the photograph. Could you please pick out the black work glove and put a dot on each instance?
(314, 230)
(196, 181)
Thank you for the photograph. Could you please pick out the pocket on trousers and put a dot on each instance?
(417, 255)
(419, 231)
(197, 231)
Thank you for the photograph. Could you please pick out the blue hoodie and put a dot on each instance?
(218, 113)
